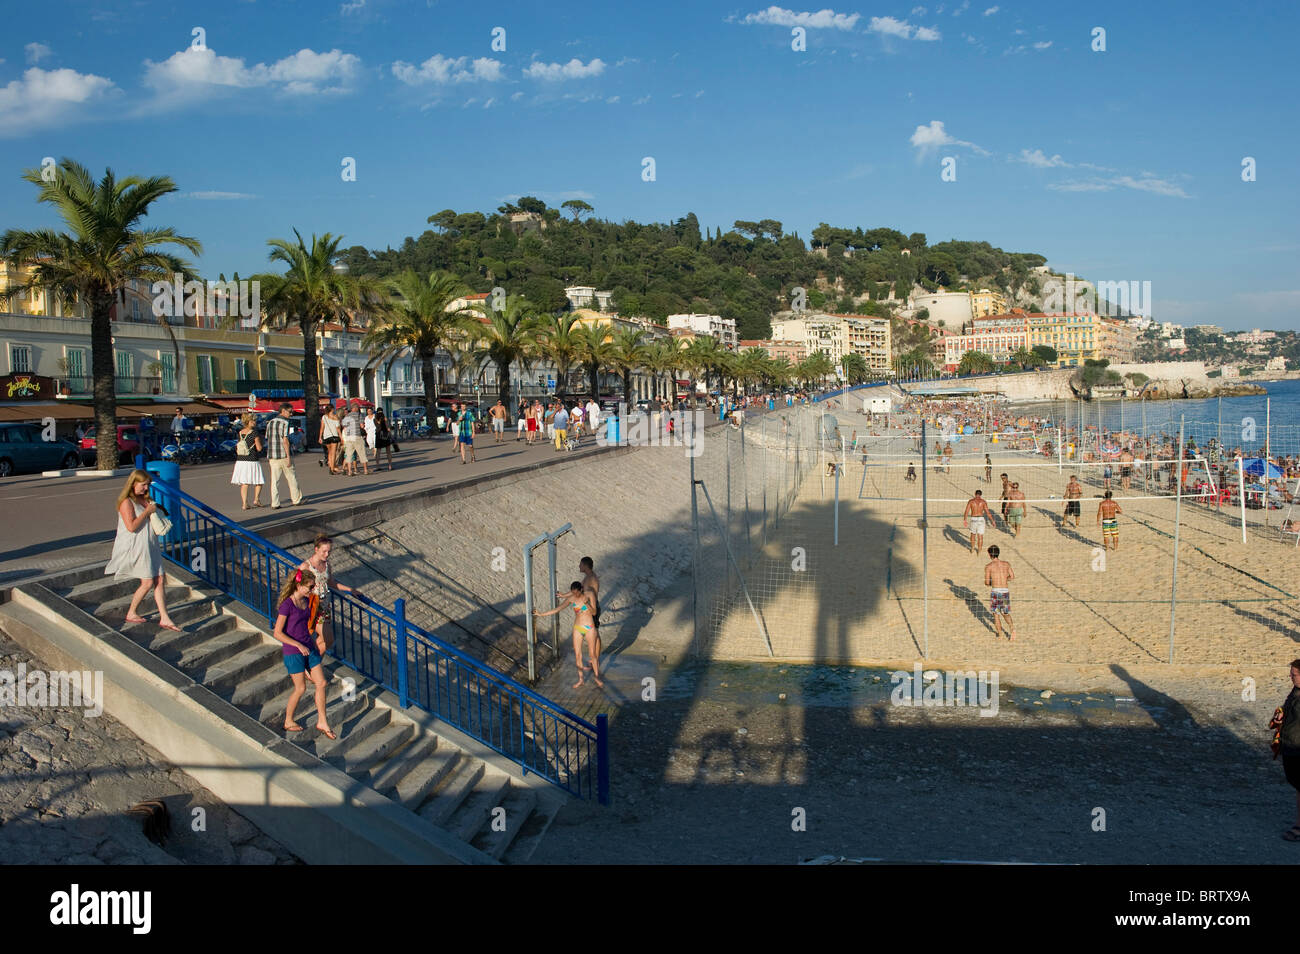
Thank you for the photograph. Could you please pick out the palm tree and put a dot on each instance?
(659, 359)
(597, 353)
(705, 355)
(312, 293)
(855, 368)
(558, 340)
(418, 320)
(103, 249)
(510, 336)
(627, 353)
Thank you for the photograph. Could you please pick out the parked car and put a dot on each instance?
(22, 450)
(128, 444)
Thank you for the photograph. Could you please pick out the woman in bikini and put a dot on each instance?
(584, 624)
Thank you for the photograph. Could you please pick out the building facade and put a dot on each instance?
(952, 308)
(724, 329)
(984, 303)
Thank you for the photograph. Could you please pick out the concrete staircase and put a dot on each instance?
(397, 753)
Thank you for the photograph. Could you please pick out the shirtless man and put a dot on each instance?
(498, 414)
(974, 516)
(584, 625)
(998, 577)
(1015, 508)
(1073, 491)
(1108, 512)
(988, 470)
(1125, 468)
(947, 458)
(1006, 492)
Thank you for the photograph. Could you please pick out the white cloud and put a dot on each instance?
(1145, 183)
(355, 6)
(918, 11)
(574, 69)
(490, 101)
(36, 52)
(441, 70)
(931, 137)
(45, 97)
(212, 195)
(991, 10)
(308, 72)
(304, 72)
(516, 96)
(1042, 44)
(889, 26)
(613, 99)
(626, 61)
(642, 101)
(822, 19)
(699, 93)
(965, 4)
(1039, 160)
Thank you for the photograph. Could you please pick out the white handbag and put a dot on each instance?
(160, 525)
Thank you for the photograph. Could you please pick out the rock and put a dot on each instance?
(252, 855)
(781, 696)
(1046, 694)
(742, 731)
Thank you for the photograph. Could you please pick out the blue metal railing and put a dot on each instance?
(530, 730)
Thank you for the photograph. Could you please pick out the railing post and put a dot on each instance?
(602, 758)
(399, 610)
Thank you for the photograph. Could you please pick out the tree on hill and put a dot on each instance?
(976, 362)
(577, 207)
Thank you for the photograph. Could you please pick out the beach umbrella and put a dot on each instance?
(1256, 468)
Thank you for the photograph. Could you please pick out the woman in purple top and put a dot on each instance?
(292, 628)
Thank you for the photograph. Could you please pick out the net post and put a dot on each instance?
(925, 550)
(1178, 507)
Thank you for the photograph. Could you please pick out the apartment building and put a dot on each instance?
(724, 329)
(984, 303)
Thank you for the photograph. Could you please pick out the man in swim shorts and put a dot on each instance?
(1015, 509)
(998, 577)
(1006, 492)
(1108, 512)
(974, 516)
(1073, 491)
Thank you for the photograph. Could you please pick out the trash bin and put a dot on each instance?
(611, 429)
(771, 404)
(170, 473)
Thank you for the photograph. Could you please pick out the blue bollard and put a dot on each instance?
(166, 473)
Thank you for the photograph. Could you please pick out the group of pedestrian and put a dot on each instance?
(555, 421)
(248, 471)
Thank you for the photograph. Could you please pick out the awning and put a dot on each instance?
(230, 404)
(59, 410)
(188, 408)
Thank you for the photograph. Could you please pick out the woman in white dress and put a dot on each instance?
(248, 472)
(136, 553)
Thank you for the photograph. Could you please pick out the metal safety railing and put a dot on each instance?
(381, 644)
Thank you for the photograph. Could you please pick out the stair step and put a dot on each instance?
(337, 709)
(519, 804)
(434, 770)
(212, 651)
(358, 760)
(349, 734)
(384, 778)
(530, 835)
(453, 791)
(476, 809)
(109, 610)
(225, 676)
(256, 692)
(98, 591)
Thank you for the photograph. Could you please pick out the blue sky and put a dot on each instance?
(1117, 165)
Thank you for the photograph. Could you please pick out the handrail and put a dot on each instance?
(478, 678)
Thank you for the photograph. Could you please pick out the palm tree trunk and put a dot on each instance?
(310, 381)
(593, 370)
(627, 386)
(429, 375)
(503, 383)
(103, 370)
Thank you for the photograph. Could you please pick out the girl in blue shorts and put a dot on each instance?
(301, 658)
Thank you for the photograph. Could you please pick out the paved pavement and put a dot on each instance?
(59, 522)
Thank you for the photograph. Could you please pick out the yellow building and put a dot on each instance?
(1075, 336)
(985, 302)
(218, 359)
